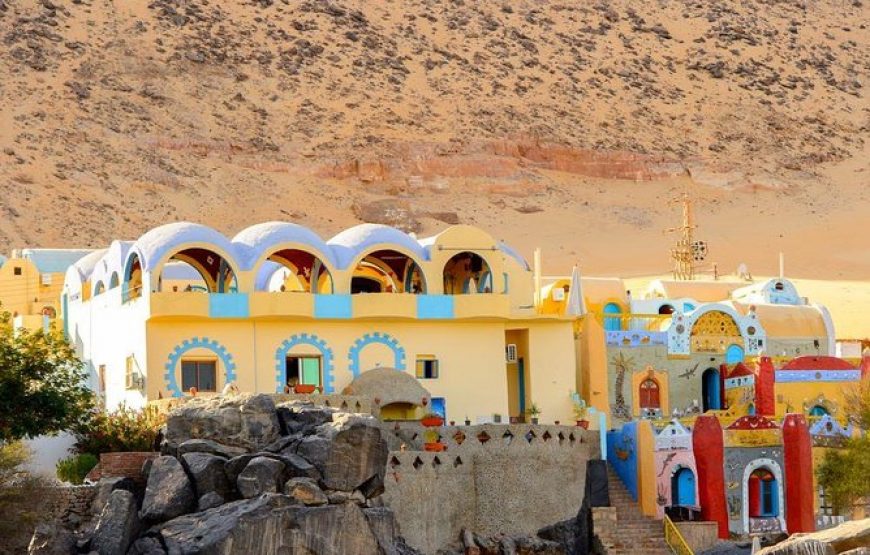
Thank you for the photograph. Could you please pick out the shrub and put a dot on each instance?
(22, 499)
(122, 430)
(74, 469)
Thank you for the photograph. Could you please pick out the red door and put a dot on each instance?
(649, 394)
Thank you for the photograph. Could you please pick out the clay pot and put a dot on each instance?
(432, 421)
(436, 447)
(583, 424)
(304, 388)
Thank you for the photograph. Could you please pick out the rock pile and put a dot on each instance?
(241, 475)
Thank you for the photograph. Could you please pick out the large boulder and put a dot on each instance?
(271, 523)
(294, 465)
(208, 473)
(246, 421)
(844, 537)
(117, 525)
(210, 446)
(105, 487)
(350, 452)
(261, 475)
(169, 492)
(298, 417)
(51, 539)
(305, 491)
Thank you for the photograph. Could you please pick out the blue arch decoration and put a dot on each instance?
(303, 339)
(197, 343)
(734, 354)
(612, 323)
(376, 337)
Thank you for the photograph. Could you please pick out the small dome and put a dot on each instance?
(155, 244)
(348, 244)
(389, 386)
(261, 238)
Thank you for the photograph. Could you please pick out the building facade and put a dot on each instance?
(184, 307)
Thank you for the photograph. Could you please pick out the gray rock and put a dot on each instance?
(338, 497)
(297, 417)
(305, 491)
(295, 466)
(147, 545)
(169, 492)
(350, 453)
(208, 473)
(105, 487)
(271, 524)
(210, 500)
(382, 523)
(51, 539)
(244, 421)
(117, 525)
(209, 446)
(261, 475)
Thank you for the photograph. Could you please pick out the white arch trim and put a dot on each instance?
(776, 470)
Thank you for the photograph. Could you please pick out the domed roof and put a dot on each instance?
(264, 237)
(348, 244)
(85, 266)
(817, 363)
(155, 244)
(389, 386)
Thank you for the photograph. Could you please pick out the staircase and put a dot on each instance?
(636, 534)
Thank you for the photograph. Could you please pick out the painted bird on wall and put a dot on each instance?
(690, 371)
(668, 459)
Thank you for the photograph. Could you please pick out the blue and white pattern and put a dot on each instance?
(376, 337)
(787, 376)
(304, 339)
(227, 362)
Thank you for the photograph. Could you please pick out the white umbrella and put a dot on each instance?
(576, 305)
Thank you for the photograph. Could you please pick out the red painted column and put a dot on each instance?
(798, 458)
(765, 398)
(754, 496)
(709, 448)
(865, 365)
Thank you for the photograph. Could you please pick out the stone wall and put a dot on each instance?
(70, 505)
(122, 465)
(492, 478)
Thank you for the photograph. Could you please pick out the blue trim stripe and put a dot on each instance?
(786, 376)
(228, 305)
(376, 337)
(333, 306)
(435, 307)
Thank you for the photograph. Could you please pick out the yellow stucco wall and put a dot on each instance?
(646, 483)
(802, 396)
(26, 295)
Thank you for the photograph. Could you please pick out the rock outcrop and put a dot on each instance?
(169, 492)
(843, 538)
(247, 421)
(118, 524)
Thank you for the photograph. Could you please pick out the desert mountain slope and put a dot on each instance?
(562, 124)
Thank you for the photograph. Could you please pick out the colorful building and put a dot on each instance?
(185, 307)
(31, 281)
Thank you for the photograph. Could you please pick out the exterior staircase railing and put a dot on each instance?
(675, 539)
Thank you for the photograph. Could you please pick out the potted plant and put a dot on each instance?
(580, 409)
(432, 419)
(467, 420)
(534, 411)
(496, 418)
(304, 388)
(431, 441)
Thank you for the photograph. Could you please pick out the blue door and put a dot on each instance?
(683, 487)
(521, 385)
(710, 395)
(734, 354)
(612, 323)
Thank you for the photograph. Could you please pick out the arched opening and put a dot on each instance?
(818, 410)
(133, 277)
(467, 272)
(683, 487)
(734, 354)
(99, 288)
(714, 332)
(779, 286)
(215, 275)
(648, 395)
(711, 394)
(612, 323)
(114, 281)
(666, 309)
(303, 272)
(387, 271)
(50, 312)
(398, 411)
(763, 494)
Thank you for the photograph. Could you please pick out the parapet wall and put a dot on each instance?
(69, 505)
(491, 478)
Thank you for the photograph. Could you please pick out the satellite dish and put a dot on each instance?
(699, 250)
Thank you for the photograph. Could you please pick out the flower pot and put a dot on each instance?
(534, 420)
(435, 446)
(432, 421)
(467, 422)
(556, 422)
(453, 422)
(304, 388)
(496, 418)
(583, 424)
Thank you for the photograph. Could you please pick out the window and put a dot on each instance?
(826, 507)
(649, 394)
(201, 374)
(303, 369)
(427, 367)
(16, 270)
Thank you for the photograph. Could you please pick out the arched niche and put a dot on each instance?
(214, 270)
(387, 271)
(302, 272)
(467, 272)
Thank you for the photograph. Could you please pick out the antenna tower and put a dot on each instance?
(686, 252)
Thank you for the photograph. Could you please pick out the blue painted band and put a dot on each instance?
(435, 307)
(333, 306)
(228, 305)
(786, 376)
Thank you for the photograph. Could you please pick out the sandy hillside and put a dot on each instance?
(565, 125)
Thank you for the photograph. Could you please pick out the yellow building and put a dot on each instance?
(185, 307)
(31, 281)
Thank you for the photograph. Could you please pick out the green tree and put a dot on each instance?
(42, 383)
(845, 473)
